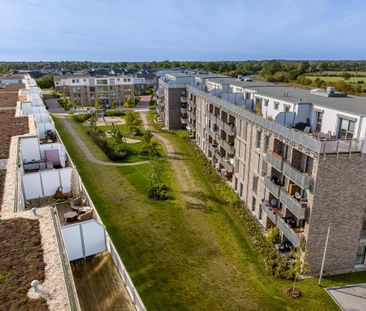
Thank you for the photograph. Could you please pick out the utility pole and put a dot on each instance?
(325, 252)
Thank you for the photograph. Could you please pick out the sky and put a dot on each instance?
(205, 30)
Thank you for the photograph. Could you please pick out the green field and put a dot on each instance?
(189, 252)
(337, 78)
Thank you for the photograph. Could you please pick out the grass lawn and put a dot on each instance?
(182, 256)
(352, 80)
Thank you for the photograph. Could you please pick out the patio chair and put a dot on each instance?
(88, 215)
(76, 203)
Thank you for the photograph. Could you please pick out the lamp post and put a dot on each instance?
(324, 254)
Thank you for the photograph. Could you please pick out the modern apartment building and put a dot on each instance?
(295, 157)
(85, 90)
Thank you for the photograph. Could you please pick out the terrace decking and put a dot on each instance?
(99, 286)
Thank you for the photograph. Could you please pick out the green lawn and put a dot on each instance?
(187, 258)
(338, 78)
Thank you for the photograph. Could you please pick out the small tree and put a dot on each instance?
(128, 103)
(273, 234)
(97, 104)
(296, 267)
(156, 188)
(113, 105)
(93, 121)
(149, 146)
(131, 119)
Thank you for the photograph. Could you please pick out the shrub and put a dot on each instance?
(113, 150)
(156, 189)
(81, 117)
(182, 134)
(114, 112)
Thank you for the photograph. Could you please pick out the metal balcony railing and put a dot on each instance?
(290, 234)
(301, 179)
(272, 187)
(296, 207)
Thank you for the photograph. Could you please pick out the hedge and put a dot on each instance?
(106, 146)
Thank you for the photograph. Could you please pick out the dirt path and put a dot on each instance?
(188, 189)
(84, 148)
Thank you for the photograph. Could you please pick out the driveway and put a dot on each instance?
(349, 298)
(54, 106)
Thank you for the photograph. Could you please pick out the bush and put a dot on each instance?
(156, 189)
(182, 134)
(114, 112)
(81, 117)
(113, 151)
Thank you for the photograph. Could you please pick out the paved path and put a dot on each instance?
(84, 148)
(54, 106)
(350, 298)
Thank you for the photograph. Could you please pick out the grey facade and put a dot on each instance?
(297, 181)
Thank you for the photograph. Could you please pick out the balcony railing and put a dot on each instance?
(300, 138)
(228, 148)
(184, 120)
(275, 160)
(229, 128)
(292, 236)
(271, 215)
(183, 109)
(272, 187)
(301, 179)
(183, 99)
(228, 166)
(296, 207)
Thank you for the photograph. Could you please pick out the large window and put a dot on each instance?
(346, 129)
(360, 256)
(318, 120)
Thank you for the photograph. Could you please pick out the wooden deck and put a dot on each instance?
(99, 286)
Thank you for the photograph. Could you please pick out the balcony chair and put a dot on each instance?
(88, 215)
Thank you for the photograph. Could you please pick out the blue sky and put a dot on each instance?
(143, 30)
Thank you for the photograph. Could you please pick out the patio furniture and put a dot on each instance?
(76, 203)
(88, 215)
(70, 216)
(83, 209)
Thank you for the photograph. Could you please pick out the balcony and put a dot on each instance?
(212, 148)
(183, 109)
(290, 234)
(184, 120)
(270, 214)
(183, 99)
(272, 187)
(228, 147)
(228, 166)
(229, 128)
(301, 179)
(275, 160)
(298, 208)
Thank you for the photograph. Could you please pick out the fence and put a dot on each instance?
(69, 280)
(135, 297)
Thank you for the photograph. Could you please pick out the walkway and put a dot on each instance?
(54, 106)
(349, 298)
(86, 150)
(190, 192)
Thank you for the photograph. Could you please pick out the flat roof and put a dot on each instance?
(351, 104)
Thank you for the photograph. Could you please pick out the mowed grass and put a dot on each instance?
(353, 80)
(173, 265)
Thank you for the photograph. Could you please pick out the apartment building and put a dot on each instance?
(295, 157)
(85, 90)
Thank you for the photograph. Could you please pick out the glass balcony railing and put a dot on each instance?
(272, 187)
(290, 234)
(271, 215)
(275, 160)
(301, 179)
(298, 208)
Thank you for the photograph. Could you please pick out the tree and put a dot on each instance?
(346, 75)
(149, 146)
(45, 82)
(97, 104)
(296, 268)
(157, 190)
(113, 105)
(128, 103)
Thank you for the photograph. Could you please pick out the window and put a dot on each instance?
(236, 184)
(360, 256)
(286, 108)
(266, 143)
(241, 190)
(254, 203)
(265, 102)
(258, 139)
(260, 215)
(318, 120)
(346, 129)
(276, 105)
(255, 184)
